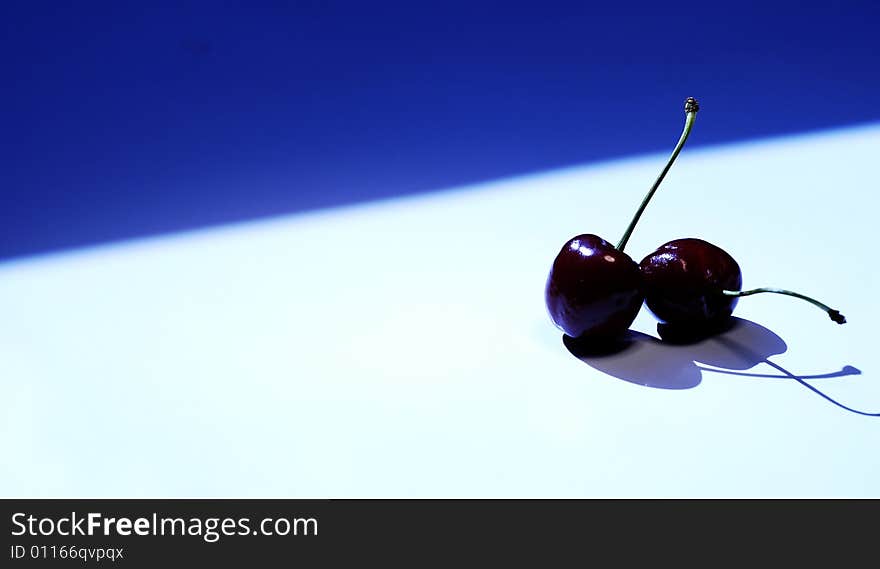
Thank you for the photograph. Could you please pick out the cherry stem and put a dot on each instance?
(690, 107)
(833, 314)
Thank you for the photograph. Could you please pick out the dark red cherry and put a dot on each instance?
(593, 290)
(684, 280)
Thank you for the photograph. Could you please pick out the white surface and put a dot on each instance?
(402, 348)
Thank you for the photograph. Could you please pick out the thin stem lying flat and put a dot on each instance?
(833, 314)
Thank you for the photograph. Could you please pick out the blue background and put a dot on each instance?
(125, 119)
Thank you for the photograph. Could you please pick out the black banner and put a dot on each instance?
(192, 532)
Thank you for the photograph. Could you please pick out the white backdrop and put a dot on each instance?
(402, 348)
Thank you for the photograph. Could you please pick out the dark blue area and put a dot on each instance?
(123, 119)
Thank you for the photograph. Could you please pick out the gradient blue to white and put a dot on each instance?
(401, 348)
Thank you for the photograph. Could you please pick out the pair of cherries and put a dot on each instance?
(595, 290)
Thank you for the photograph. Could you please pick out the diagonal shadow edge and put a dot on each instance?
(620, 161)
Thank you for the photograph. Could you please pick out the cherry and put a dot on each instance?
(692, 287)
(683, 279)
(594, 290)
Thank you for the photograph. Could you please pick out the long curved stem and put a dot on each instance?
(833, 314)
(690, 107)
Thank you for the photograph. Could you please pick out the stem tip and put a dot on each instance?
(837, 316)
(691, 105)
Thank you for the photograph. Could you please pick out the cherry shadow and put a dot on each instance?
(641, 359)
(674, 361)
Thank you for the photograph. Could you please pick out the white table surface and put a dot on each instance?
(402, 348)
